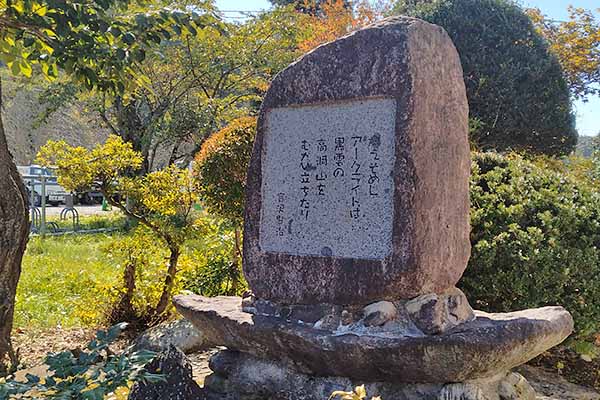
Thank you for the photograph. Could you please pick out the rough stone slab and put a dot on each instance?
(242, 377)
(179, 333)
(412, 68)
(177, 370)
(490, 344)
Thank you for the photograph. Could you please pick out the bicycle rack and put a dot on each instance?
(74, 216)
(52, 227)
(36, 218)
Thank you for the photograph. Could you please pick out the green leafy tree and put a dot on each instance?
(97, 46)
(312, 7)
(576, 43)
(162, 201)
(198, 84)
(515, 86)
(220, 177)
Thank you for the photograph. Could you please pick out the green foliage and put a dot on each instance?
(89, 374)
(95, 42)
(220, 169)
(161, 201)
(214, 273)
(77, 280)
(212, 278)
(140, 253)
(198, 85)
(312, 7)
(515, 86)
(535, 235)
(576, 43)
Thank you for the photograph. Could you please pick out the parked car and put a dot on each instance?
(91, 197)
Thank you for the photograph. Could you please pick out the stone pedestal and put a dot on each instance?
(356, 233)
(397, 358)
(238, 376)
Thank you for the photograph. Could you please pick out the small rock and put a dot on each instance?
(180, 333)
(347, 318)
(329, 322)
(248, 303)
(256, 306)
(435, 314)
(179, 385)
(515, 387)
(377, 314)
(462, 391)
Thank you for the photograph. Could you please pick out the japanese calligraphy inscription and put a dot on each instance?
(328, 185)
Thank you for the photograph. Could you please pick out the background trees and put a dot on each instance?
(576, 43)
(312, 7)
(196, 84)
(518, 96)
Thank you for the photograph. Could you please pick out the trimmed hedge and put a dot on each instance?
(220, 169)
(518, 96)
(536, 237)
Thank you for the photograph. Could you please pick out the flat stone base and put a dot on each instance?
(489, 345)
(238, 376)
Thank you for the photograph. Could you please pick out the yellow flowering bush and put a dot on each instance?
(160, 201)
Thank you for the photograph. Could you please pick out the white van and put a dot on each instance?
(32, 174)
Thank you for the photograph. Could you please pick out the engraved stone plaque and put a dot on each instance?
(358, 185)
(327, 187)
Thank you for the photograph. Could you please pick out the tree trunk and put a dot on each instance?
(165, 297)
(124, 311)
(234, 272)
(132, 127)
(14, 233)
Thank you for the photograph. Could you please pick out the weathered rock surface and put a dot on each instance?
(411, 69)
(179, 333)
(242, 377)
(427, 314)
(551, 386)
(179, 383)
(490, 344)
(547, 385)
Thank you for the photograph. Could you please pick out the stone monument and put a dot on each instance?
(356, 233)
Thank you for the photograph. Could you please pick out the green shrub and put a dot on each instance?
(84, 374)
(535, 234)
(220, 169)
(140, 257)
(515, 86)
(213, 272)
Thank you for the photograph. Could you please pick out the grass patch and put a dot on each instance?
(59, 280)
(73, 281)
(110, 220)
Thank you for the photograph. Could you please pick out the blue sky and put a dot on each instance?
(588, 114)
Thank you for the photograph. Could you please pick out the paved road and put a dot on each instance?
(82, 210)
